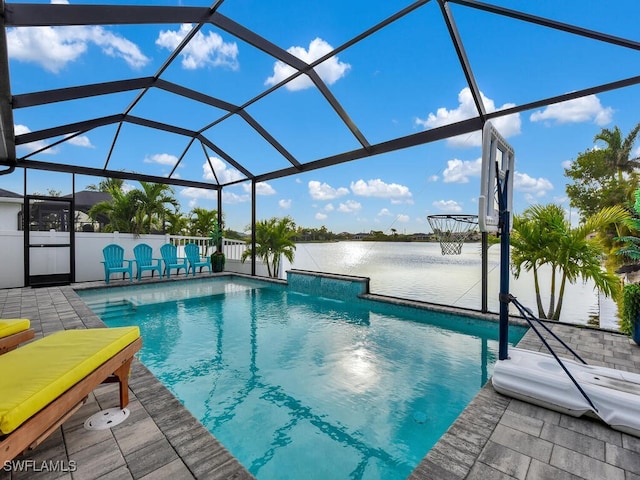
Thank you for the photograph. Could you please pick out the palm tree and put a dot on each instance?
(528, 249)
(122, 211)
(152, 200)
(177, 223)
(631, 243)
(543, 236)
(106, 185)
(618, 150)
(274, 238)
(201, 221)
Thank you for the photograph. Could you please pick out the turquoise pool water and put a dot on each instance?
(298, 386)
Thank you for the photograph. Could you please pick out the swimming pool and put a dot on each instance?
(301, 386)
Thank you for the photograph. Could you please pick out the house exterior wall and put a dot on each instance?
(12, 271)
(9, 215)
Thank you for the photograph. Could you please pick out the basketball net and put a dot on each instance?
(452, 231)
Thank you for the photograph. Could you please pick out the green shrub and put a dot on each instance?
(630, 307)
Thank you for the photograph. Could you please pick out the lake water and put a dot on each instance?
(418, 271)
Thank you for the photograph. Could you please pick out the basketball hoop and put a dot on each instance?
(452, 230)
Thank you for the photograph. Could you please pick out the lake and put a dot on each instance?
(418, 271)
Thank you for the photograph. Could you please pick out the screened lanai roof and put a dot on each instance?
(281, 105)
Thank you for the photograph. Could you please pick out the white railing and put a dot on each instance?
(232, 249)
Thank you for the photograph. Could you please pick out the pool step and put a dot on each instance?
(116, 309)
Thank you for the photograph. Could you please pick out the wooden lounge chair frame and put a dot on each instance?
(10, 342)
(38, 427)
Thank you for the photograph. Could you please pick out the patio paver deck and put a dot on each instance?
(494, 438)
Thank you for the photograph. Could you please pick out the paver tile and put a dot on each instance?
(505, 460)
(578, 442)
(584, 466)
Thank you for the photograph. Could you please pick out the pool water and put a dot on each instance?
(297, 386)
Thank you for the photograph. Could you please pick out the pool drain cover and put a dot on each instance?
(106, 419)
(419, 417)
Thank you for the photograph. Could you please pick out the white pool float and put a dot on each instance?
(538, 378)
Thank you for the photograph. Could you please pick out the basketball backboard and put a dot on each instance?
(497, 159)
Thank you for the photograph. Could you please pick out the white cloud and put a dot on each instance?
(536, 186)
(636, 154)
(78, 141)
(54, 47)
(384, 213)
(203, 50)
(379, 189)
(585, 109)
(330, 71)
(329, 207)
(206, 194)
(320, 216)
(323, 191)
(448, 206)
(161, 159)
(32, 146)
(191, 192)
(262, 188)
(567, 164)
(225, 174)
(508, 126)
(402, 218)
(81, 141)
(128, 186)
(284, 203)
(459, 171)
(350, 206)
(433, 178)
(231, 197)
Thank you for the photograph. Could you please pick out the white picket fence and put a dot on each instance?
(88, 253)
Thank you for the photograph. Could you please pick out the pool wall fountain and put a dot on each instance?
(338, 287)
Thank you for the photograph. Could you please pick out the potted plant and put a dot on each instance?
(217, 257)
(630, 318)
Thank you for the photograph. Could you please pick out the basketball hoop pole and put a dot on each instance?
(494, 215)
(504, 228)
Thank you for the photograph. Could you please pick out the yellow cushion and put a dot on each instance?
(14, 325)
(34, 375)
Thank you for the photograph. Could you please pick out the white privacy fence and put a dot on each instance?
(88, 253)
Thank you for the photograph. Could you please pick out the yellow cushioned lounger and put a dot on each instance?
(13, 332)
(44, 382)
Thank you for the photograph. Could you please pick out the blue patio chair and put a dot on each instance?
(193, 255)
(170, 258)
(114, 262)
(145, 260)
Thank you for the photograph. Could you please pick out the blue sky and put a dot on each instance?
(402, 80)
